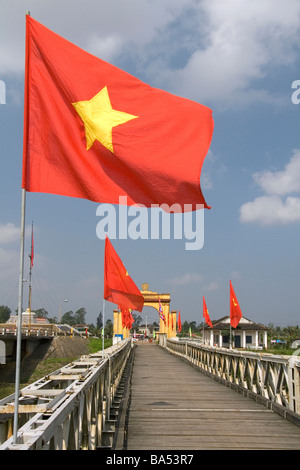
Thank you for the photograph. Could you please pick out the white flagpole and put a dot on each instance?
(103, 324)
(19, 324)
(20, 310)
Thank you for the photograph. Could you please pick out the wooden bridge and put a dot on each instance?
(173, 406)
(176, 396)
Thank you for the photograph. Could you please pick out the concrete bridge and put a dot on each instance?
(32, 337)
(172, 396)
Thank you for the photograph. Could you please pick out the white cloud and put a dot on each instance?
(8, 233)
(282, 182)
(271, 208)
(9, 251)
(213, 168)
(235, 275)
(207, 51)
(240, 41)
(211, 287)
(102, 28)
(187, 278)
(105, 47)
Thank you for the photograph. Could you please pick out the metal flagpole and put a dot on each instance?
(19, 323)
(20, 309)
(30, 269)
(103, 324)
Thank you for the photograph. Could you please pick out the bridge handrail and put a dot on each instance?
(69, 408)
(267, 378)
(46, 330)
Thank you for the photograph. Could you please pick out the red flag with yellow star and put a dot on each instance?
(235, 310)
(119, 288)
(93, 131)
(206, 314)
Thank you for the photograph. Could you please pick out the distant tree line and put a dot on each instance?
(287, 333)
(69, 318)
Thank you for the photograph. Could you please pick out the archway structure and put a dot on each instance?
(161, 303)
(167, 318)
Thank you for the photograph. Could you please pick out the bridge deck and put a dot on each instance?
(174, 406)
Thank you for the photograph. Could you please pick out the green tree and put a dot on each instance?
(41, 312)
(185, 328)
(68, 318)
(99, 321)
(4, 313)
(137, 320)
(93, 330)
(79, 317)
(108, 330)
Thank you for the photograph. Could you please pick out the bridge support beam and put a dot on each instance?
(70, 409)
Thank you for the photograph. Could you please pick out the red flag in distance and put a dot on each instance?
(206, 314)
(235, 310)
(179, 327)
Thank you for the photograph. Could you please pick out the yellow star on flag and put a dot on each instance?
(99, 118)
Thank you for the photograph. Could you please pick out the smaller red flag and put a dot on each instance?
(235, 310)
(179, 327)
(119, 288)
(127, 319)
(206, 314)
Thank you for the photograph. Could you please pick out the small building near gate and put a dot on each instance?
(28, 317)
(247, 334)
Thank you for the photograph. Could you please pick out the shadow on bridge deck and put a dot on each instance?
(175, 407)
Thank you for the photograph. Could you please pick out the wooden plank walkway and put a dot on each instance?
(175, 407)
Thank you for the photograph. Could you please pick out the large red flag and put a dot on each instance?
(235, 310)
(206, 314)
(119, 288)
(93, 131)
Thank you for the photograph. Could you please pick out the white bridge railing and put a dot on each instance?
(34, 330)
(273, 380)
(70, 409)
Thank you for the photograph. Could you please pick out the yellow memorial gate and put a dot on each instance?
(167, 319)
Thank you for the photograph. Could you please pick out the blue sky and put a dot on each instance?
(239, 58)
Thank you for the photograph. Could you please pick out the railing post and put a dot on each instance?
(294, 383)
